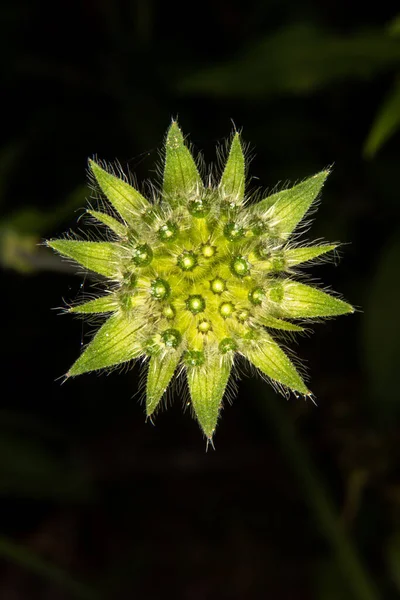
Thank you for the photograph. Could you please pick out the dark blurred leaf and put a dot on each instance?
(32, 221)
(394, 27)
(386, 123)
(297, 60)
(22, 231)
(35, 564)
(29, 424)
(30, 469)
(9, 157)
(393, 559)
(382, 332)
(330, 583)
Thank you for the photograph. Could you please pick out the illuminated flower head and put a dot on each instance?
(197, 276)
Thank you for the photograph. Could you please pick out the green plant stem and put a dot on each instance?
(23, 557)
(324, 511)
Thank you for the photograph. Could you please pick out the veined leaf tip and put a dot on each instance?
(347, 308)
(54, 244)
(322, 174)
(210, 441)
(150, 408)
(310, 396)
(93, 164)
(174, 126)
(71, 372)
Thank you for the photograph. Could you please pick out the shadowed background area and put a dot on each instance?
(297, 500)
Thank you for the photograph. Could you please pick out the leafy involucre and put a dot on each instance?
(275, 323)
(126, 200)
(232, 180)
(180, 175)
(301, 301)
(101, 257)
(207, 386)
(198, 275)
(104, 304)
(287, 208)
(296, 256)
(266, 355)
(116, 342)
(108, 220)
(161, 371)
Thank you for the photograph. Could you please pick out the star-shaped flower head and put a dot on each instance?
(197, 276)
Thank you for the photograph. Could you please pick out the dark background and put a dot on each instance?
(296, 501)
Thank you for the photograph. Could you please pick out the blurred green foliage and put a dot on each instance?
(298, 59)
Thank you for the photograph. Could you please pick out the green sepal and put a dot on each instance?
(287, 208)
(127, 201)
(296, 256)
(207, 384)
(98, 305)
(161, 370)
(101, 257)
(181, 176)
(300, 300)
(117, 341)
(275, 323)
(233, 178)
(268, 356)
(108, 220)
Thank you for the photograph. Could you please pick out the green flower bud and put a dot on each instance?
(142, 255)
(256, 295)
(208, 251)
(171, 338)
(218, 285)
(233, 232)
(194, 358)
(226, 309)
(188, 284)
(169, 311)
(196, 304)
(227, 345)
(204, 326)
(187, 261)
(160, 289)
(240, 266)
(168, 232)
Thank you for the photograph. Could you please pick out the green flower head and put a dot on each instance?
(198, 276)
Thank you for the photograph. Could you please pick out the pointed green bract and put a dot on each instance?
(300, 300)
(274, 323)
(117, 341)
(181, 176)
(287, 208)
(113, 224)
(101, 257)
(233, 178)
(296, 256)
(207, 384)
(268, 356)
(161, 370)
(104, 304)
(125, 199)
